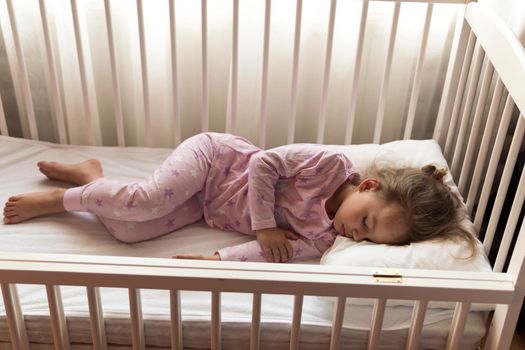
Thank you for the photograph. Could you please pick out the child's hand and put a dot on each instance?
(196, 256)
(275, 244)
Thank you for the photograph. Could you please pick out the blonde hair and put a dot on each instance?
(433, 210)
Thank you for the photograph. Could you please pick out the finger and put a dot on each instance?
(187, 256)
(283, 253)
(289, 250)
(268, 254)
(291, 235)
(276, 255)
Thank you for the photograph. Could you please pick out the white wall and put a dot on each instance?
(512, 12)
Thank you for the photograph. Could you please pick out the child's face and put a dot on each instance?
(364, 215)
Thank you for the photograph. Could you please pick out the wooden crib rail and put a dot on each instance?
(88, 100)
(489, 59)
(135, 274)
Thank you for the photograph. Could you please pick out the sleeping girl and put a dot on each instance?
(294, 199)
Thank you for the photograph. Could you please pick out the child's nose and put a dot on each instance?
(357, 235)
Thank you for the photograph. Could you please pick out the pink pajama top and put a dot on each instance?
(248, 189)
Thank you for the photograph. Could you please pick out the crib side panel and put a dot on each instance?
(135, 274)
(484, 145)
(111, 94)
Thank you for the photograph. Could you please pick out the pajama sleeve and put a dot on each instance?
(303, 249)
(266, 168)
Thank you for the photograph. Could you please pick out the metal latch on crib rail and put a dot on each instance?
(388, 277)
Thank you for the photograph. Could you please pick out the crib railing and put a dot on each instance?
(488, 60)
(135, 274)
(93, 127)
(493, 57)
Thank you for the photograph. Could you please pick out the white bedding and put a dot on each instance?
(81, 233)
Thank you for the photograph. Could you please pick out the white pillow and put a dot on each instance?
(442, 255)
(430, 255)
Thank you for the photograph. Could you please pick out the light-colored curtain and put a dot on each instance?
(251, 28)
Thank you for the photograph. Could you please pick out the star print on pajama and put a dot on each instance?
(234, 185)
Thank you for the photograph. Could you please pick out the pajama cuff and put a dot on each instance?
(73, 199)
(261, 225)
(249, 251)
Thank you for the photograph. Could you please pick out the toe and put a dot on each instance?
(12, 219)
(10, 214)
(13, 199)
(10, 204)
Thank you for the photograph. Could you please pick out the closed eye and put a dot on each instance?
(365, 222)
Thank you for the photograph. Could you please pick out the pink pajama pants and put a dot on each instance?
(143, 210)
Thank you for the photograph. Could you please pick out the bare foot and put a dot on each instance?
(30, 205)
(79, 173)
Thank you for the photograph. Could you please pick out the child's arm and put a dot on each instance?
(301, 249)
(309, 165)
(197, 256)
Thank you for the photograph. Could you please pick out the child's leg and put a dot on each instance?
(132, 232)
(182, 175)
(29, 205)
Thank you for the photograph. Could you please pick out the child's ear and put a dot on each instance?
(369, 184)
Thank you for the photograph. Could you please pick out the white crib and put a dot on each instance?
(486, 65)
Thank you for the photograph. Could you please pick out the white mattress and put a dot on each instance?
(82, 233)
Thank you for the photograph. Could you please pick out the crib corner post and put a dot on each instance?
(502, 327)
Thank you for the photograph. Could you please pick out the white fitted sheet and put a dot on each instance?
(82, 233)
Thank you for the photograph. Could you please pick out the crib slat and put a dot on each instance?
(504, 184)
(296, 321)
(137, 324)
(3, 123)
(459, 42)
(416, 85)
(517, 140)
(476, 124)
(467, 108)
(177, 137)
(58, 319)
(176, 324)
(15, 318)
(457, 326)
(326, 75)
(377, 322)
(465, 67)
(337, 323)
(22, 73)
(56, 104)
(231, 125)
(205, 119)
(86, 95)
(416, 325)
(295, 67)
(145, 76)
(484, 147)
(350, 120)
(255, 331)
(117, 99)
(216, 321)
(512, 222)
(96, 317)
(386, 75)
(264, 87)
(493, 163)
